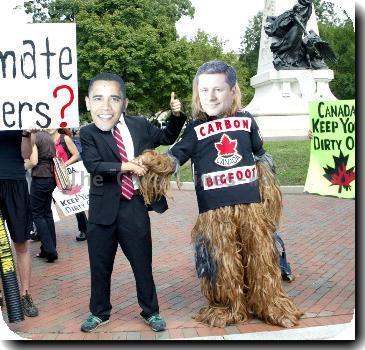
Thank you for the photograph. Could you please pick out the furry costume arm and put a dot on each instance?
(268, 159)
(156, 182)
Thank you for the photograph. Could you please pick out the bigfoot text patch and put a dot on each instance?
(227, 152)
(231, 177)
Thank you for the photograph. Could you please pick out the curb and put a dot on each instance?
(189, 186)
(343, 331)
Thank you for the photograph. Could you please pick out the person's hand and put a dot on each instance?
(175, 105)
(27, 164)
(139, 160)
(31, 131)
(134, 168)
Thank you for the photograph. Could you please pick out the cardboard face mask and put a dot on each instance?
(106, 104)
(215, 94)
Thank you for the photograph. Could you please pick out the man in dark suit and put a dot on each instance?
(117, 212)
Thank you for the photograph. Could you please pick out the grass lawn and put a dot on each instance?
(291, 158)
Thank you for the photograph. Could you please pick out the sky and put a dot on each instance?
(228, 21)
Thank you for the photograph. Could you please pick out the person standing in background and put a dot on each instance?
(68, 152)
(15, 147)
(42, 186)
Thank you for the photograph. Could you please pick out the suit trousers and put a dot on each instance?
(132, 231)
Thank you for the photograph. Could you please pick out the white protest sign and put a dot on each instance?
(38, 76)
(77, 199)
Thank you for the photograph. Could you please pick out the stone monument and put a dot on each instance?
(291, 70)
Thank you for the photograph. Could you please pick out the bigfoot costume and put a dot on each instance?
(240, 205)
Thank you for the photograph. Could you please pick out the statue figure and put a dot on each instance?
(291, 50)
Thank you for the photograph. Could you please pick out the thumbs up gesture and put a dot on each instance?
(175, 105)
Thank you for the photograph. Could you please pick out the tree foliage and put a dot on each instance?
(136, 39)
(329, 13)
(249, 53)
(342, 40)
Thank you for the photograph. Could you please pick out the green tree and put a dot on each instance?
(250, 43)
(249, 52)
(205, 47)
(342, 40)
(136, 39)
(335, 27)
(329, 13)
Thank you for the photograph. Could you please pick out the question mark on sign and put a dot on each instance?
(72, 96)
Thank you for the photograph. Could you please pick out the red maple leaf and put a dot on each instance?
(339, 175)
(226, 146)
(343, 177)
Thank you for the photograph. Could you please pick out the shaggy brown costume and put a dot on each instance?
(249, 278)
(156, 182)
(241, 241)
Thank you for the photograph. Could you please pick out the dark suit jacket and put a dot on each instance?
(102, 160)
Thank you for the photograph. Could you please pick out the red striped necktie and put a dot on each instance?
(127, 188)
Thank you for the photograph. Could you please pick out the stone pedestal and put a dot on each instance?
(280, 103)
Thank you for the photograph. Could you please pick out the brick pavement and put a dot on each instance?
(319, 235)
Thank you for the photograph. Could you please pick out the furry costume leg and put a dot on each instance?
(266, 296)
(226, 293)
(248, 276)
(240, 242)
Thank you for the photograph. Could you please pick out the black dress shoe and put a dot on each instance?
(34, 236)
(81, 237)
(51, 258)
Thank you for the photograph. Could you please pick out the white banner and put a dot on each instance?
(38, 76)
(77, 199)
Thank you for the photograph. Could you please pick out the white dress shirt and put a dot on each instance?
(128, 144)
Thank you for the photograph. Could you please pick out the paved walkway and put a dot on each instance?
(319, 237)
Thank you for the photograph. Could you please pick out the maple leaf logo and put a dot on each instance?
(226, 146)
(339, 175)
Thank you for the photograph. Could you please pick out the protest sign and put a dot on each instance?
(38, 76)
(77, 199)
(332, 161)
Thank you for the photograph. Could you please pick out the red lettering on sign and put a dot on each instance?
(218, 125)
(248, 173)
(245, 123)
(230, 177)
(227, 123)
(223, 179)
(209, 181)
(210, 128)
(236, 123)
(201, 131)
(239, 175)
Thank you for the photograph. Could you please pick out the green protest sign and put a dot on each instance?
(331, 170)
